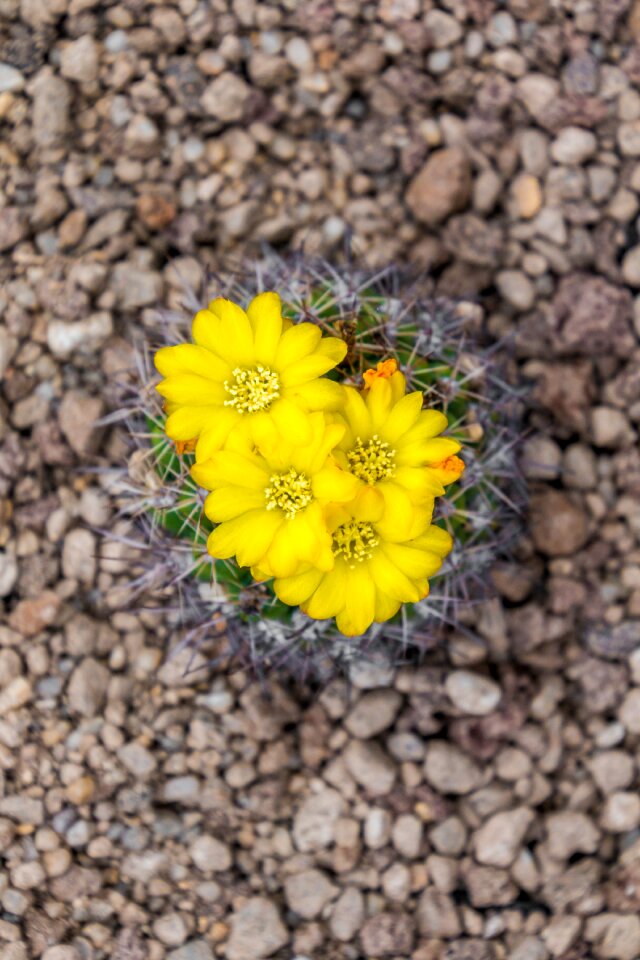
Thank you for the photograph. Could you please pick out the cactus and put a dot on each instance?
(436, 342)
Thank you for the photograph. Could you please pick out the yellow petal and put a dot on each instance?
(283, 558)
(315, 365)
(419, 482)
(235, 332)
(436, 540)
(357, 414)
(429, 451)
(398, 508)
(333, 484)
(429, 424)
(368, 504)
(297, 342)
(190, 358)
(205, 330)
(292, 422)
(227, 468)
(390, 580)
(360, 602)
(265, 316)
(187, 422)
(416, 564)
(215, 432)
(320, 394)
(378, 400)
(226, 503)
(386, 607)
(329, 598)
(295, 590)
(403, 416)
(258, 537)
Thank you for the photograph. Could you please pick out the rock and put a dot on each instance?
(387, 935)
(81, 790)
(11, 80)
(570, 832)
(256, 931)
(497, 842)
(442, 187)
(407, 836)
(61, 952)
(377, 828)
(171, 930)
(449, 770)
(22, 809)
(558, 527)
(14, 227)
(537, 91)
(540, 458)
(155, 211)
(77, 416)
(530, 948)
(437, 916)
(612, 770)
(373, 713)
(51, 106)
(574, 145)
(79, 556)
(579, 467)
(527, 195)
(370, 672)
(561, 933)
(79, 60)
(137, 759)
(621, 939)
(444, 29)
(210, 855)
(141, 138)
(314, 823)
(474, 240)
(308, 893)
(516, 288)
(629, 138)
(86, 335)
(16, 694)
(8, 573)
(629, 712)
(610, 427)
(370, 766)
(226, 98)
(489, 886)
(30, 617)
(621, 812)
(472, 693)
(134, 287)
(193, 950)
(87, 688)
(347, 915)
(591, 316)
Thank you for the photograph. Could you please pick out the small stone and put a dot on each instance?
(621, 812)
(612, 770)
(77, 416)
(444, 29)
(15, 695)
(574, 145)
(558, 527)
(315, 822)
(610, 427)
(387, 935)
(570, 832)
(14, 227)
(210, 855)
(631, 266)
(30, 617)
(347, 915)
(137, 759)
(87, 688)
(61, 952)
(591, 316)
(28, 876)
(170, 930)
(8, 573)
(561, 933)
(194, 950)
(629, 138)
(256, 931)
(530, 948)
(308, 893)
(621, 939)
(442, 187)
(580, 467)
(135, 288)
(51, 107)
(79, 556)
(437, 915)
(497, 842)
(407, 835)
(22, 809)
(377, 828)
(11, 80)
(370, 766)
(155, 211)
(86, 336)
(472, 693)
(226, 98)
(516, 288)
(373, 713)
(449, 770)
(527, 194)
(81, 790)
(79, 60)
(502, 30)
(629, 712)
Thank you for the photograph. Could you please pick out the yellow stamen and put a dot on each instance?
(355, 541)
(289, 492)
(383, 371)
(372, 460)
(252, 389)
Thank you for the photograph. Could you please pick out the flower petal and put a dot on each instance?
(330, 597)
(189, 389)
(187, 422)
(320, 394)
(292, 422)
(360, 602)
(215, 432)
(427, 451)
(297, 342)
(357, 414)
(205, 330)
(295, 590)
(265, 316)
(334, 485)
(435, 539)
(390, 580)
(191, 358)
(379, 400)
(227, 468)
(416, 564)
(236, 335)
(386, 607)
(225, 503)
(430, 423)
(403, 416)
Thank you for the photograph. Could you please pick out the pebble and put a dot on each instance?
(8, 573)
(437, 915)
(14, 227)
(77, 417)
(138, 760)
(621, 812)
(570, 832)
(80, 60)
(347, 915)
(79, 556)
(226, 97)
(16, 694)
(87, 688)
(406, 835)
(442, 187)
(30, 617)
(387, 935)
(373, 713)
(558, 526)
(498, 841)
(574, 145)
(256, 931)
(371, 767)
(629, 712)
(51, 109)
(85, 336)
(194, 950)
(472, 693)
(449, 770)
(516, 288)
(308, 893)
(610, 427)
(210, 855)
(527, 194)
(314, 823)
(170, 930)
(11, 80)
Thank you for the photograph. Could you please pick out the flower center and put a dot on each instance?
(355, 541)
(372, 461)
(290, 492)
(252, 389)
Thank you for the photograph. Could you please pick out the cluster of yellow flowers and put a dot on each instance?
(325, 488)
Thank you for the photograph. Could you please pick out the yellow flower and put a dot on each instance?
(392, 445)
(376, 570)
(246, 368)
(269, 504)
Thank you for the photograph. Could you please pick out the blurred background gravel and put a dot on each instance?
(483, 806)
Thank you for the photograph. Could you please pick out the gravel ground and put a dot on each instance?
(483, 806)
